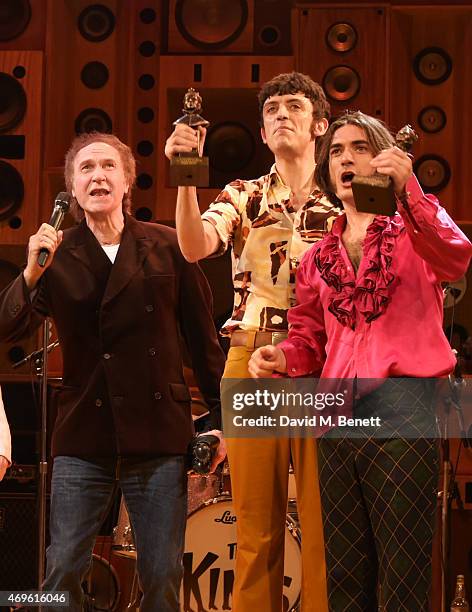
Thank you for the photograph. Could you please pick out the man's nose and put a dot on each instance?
(282, 112)
(346, 156)
(98, 175)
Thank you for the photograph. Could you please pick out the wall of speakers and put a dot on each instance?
(429, 67)
(20, 143)
(343, 48)
(86, 84)
(260, 27)
(141, 114)
(229, 87)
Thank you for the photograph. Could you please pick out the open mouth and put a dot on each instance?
(99, 193)
(346, 178)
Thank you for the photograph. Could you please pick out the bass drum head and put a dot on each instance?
(209, 559)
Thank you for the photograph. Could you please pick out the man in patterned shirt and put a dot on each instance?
(269, 223)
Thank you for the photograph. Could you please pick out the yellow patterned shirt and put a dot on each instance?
(268, 238)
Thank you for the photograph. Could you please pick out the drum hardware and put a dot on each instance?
(101, 586)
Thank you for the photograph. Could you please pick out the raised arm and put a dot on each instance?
(434, 235)
(197, 239)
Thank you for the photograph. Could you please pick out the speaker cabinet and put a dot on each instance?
(18, 542)
(344, 49)
(86, 84)
(219, 27)
(20, 143)
(12, 258)
(141, 124)
(229, 87)
(430, 88)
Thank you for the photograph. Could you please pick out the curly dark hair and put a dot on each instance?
(292, 83)
(378, 136)
(126, 156)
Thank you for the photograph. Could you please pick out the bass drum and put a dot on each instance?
(209, 559)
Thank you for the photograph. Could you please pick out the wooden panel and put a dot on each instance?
(140, 127)
(68, 52)
(450, 29)
(26, 67)
(229, 87)
(316, 52)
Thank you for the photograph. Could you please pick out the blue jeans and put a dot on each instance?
(155, 492)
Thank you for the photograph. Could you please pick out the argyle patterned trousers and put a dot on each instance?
(379, 498)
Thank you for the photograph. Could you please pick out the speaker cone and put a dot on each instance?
(341, 83)
(12, 102)
(93, 120)
(14, 18)
(12, 190)
(94, 75)
(96, 22)
(212, 24)
(433, 172)
(432, 66)
(341, 37)
(432, 119)
(230, 147)
(269, 35)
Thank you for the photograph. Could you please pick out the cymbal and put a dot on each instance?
(454, 292)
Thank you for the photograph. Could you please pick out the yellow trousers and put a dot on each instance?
(259, 470)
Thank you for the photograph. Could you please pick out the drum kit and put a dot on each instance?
(210, 547)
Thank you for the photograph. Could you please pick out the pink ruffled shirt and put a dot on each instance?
(387, 320)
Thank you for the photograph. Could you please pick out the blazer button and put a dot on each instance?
(158, 395)
(106, 356)
(152, 351)
(98, 402)
(149, 307)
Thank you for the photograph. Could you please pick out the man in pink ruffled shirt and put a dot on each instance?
(369, 306)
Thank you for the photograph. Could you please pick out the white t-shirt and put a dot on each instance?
(111, 250)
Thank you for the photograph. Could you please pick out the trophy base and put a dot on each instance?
(374, 194)
(189, 170)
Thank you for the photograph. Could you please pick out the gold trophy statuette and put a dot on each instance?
(190, 168)
(374, 194)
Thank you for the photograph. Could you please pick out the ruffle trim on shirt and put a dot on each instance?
(368, 294)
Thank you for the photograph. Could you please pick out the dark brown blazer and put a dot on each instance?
(120, 329)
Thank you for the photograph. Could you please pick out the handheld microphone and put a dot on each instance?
(61, 207)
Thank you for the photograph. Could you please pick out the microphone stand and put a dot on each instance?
(450, 490)
(41, 360)
(445, 494)
(43, 460)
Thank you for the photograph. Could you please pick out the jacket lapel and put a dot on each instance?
(134, 247)
(85, 248)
